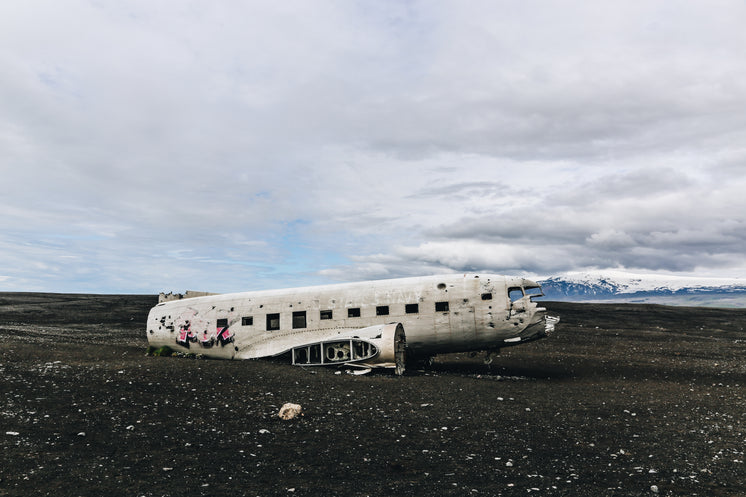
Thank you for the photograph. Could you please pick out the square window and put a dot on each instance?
(247, 321)
(441, 307)
(299, 319)
(486, 296)
(382, 310)
(223, 323)
(353, 312)
(326, 314)
(412, 308)
(273, 322)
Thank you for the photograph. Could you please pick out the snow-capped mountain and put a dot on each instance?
(619, 286)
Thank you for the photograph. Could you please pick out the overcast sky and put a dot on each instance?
(226, 146)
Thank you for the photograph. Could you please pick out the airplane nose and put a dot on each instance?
(541, 326)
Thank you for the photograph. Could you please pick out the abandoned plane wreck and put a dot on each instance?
(372, 324)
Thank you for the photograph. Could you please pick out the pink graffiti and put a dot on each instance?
(223, 336)
(185, 336)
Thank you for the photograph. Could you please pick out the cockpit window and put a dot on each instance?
(533, 291)
(515, 293)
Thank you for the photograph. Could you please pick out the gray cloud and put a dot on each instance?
(219, 147)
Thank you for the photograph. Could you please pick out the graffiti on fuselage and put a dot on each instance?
(222, 336)
(193, 328)
(185, 336)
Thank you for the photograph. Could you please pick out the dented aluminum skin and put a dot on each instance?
(368, 324)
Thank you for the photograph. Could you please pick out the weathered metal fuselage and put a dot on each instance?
(437, 314)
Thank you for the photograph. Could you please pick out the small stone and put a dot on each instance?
(654, 489)
(81, 434)
(290, 411)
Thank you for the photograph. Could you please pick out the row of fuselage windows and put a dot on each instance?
(299, 317)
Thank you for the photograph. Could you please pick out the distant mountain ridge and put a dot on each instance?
(618, 286)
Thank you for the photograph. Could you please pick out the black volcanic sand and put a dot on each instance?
(621, 400)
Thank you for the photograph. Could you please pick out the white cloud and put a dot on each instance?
(167, 145)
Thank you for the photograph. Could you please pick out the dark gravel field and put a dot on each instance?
(627, 400)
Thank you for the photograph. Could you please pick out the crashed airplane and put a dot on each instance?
(372, 324)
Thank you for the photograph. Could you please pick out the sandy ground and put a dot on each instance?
(624, 400)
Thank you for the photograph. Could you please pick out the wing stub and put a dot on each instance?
(380, 346)
(333, 352)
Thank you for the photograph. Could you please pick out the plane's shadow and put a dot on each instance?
(491, 371)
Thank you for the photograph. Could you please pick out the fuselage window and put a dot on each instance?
(273, 322)
(223, 323)
(486, 296)
(247, 321)
(353, 312)
(515, 293)
(299, 319)
(326, 314)
(412, 308)
(382, 310)
(441, 307)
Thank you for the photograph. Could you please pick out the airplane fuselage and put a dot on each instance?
(439, 314)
